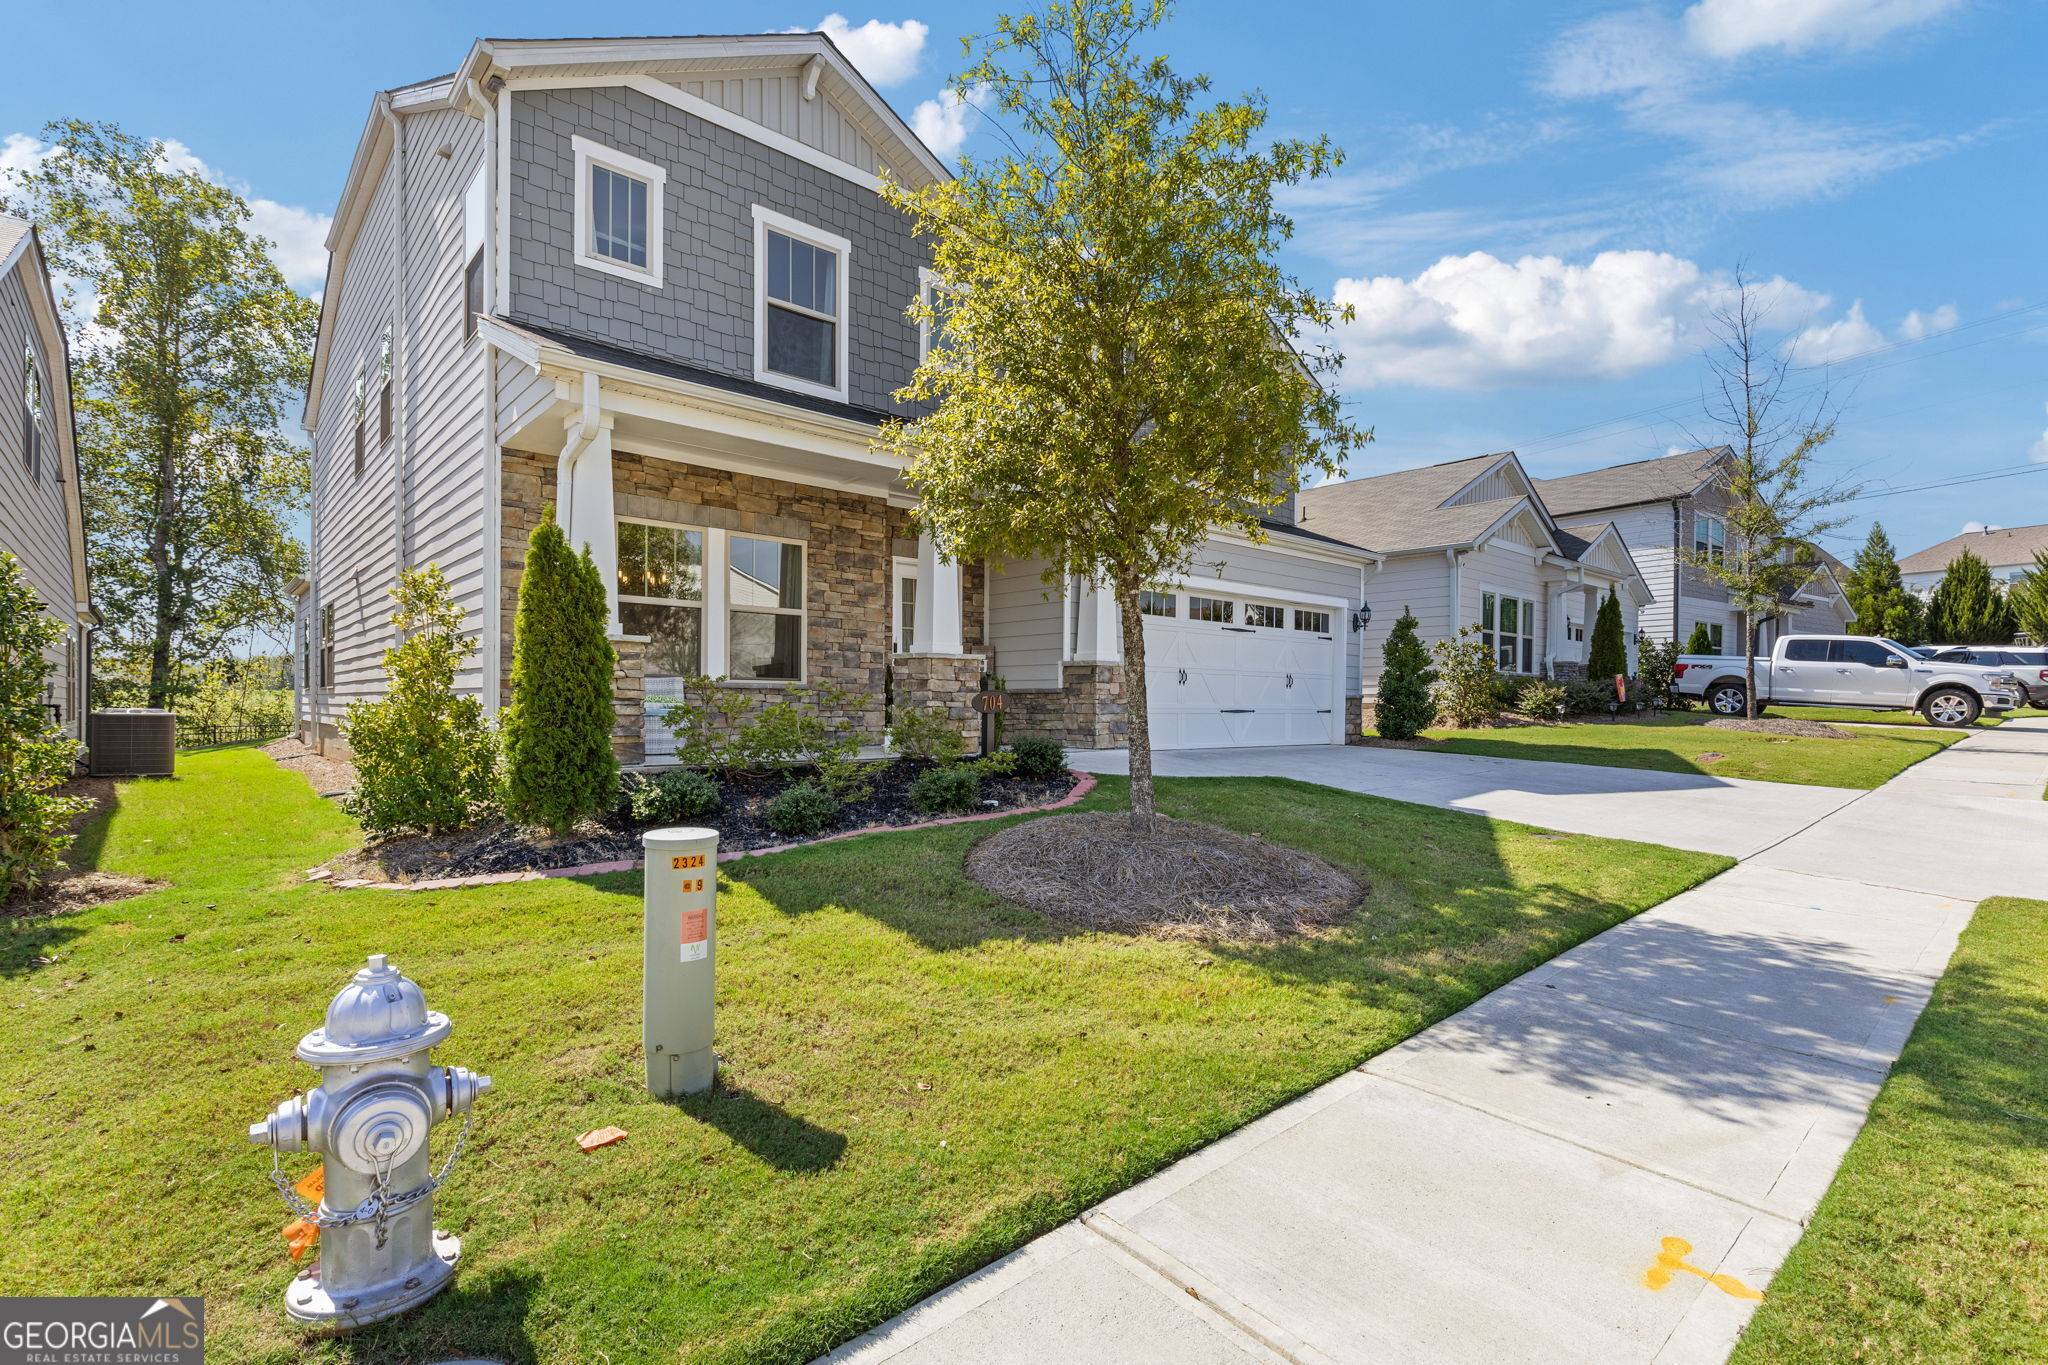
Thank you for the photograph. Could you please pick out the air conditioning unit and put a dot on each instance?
(134, 741)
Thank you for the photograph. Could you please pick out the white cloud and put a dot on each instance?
(1731, 28)
(19, 154)
(1918, 326)
(1826, 342)
(943, 122)
(2038, 452)
(1476, 321)
(887, 54)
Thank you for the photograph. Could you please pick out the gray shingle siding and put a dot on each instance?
(702, 315)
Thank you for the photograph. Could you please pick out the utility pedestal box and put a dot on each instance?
(682, 936)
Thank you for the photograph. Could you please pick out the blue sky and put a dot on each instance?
(1541, 204)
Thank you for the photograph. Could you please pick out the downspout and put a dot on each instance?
(1457, 622)
(1677, 564)
(572, 451)
(401, 372)
(492, 530)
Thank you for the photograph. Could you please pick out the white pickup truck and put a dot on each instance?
(1863, 671)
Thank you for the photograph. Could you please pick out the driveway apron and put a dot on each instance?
(1605, 1160)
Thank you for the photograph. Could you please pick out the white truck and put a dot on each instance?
(1864, 671)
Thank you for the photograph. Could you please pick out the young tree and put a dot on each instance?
(1608, 654)
(1967, 608)
(1878, 595)
(1125, 366)
(559, 764)
(2028, 599)
(1773, 426)
(1406, 706)
(424, 756)
(1700, 641)
(194, 349)
(35, 756)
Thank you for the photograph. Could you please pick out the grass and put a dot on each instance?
(917, 1077)
(1932, 1243)
(1852, 715)
(1676, 744)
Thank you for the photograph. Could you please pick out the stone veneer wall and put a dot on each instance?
(1086, 713)
(1357, 715)
(949, 681)
(847, 548)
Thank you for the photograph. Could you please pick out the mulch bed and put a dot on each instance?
(72, 887)
(499, 847)
(1787, 726)
(329, 776)
(1186, 880)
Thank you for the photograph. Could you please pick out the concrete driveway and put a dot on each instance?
(1605, 1160)
(1733, 816)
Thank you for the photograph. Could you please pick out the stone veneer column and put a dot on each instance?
(947, 681)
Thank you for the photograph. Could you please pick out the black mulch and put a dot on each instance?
(740, 822)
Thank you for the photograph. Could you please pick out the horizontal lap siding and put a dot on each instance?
(1505, 570)
(1026, 626)
(1405, 583)
(444, 428)
(34, 526)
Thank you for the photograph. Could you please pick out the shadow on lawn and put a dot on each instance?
(30, 941)
(481, 1316)
(790, 1144)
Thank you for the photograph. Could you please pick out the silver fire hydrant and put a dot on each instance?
(380, 1253)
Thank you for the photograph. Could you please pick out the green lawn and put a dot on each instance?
(917, 1077)
(1932, 1243)
(1676, 744)
(1857, 716)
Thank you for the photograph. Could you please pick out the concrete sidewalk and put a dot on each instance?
(1502, 1186)
(1732, 816)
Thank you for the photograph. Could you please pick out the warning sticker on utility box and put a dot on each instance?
(696, 935)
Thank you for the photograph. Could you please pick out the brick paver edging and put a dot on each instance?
(1083, 784)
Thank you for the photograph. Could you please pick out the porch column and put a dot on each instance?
(1559, 646)
(936, 625)
(1100, 641)
(590, 521)
(1589, 610)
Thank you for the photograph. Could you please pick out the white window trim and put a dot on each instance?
(1525, 629)
(764, 220)
(802, 612)
(901, 571)
(1704, 525)
(589, 154)
(927, 285)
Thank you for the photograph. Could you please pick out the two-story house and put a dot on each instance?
(42, 522)
(653, 283)
(1666, 507)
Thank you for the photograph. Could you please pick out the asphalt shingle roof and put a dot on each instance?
(1624, 485)
(2008, 545)
(1401, 511)
(12, 230)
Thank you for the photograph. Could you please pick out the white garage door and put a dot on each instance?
(1232, 671)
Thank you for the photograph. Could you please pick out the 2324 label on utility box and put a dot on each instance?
(686, 860)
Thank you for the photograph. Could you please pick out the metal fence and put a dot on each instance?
(192, 736)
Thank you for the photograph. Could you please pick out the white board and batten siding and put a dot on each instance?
(34, 525)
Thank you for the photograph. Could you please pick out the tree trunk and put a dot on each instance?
(1748, 667)
(1137, 721)
(163, 618)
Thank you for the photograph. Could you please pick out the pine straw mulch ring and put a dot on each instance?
(1187, 880)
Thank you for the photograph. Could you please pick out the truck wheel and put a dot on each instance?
(1726, 699)
(1950, 707)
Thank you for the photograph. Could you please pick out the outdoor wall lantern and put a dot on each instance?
(1361, 617)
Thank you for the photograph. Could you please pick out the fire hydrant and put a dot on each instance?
(380, 1253)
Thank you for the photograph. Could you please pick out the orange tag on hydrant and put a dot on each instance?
(300, 1235)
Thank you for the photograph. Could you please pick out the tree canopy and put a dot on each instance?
(1879, 596)
(191, 347)
(1967, 607)
(1120, 366)
(2028, 598)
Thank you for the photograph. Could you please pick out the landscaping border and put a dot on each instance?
(1084, 783)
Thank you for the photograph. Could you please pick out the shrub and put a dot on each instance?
(706, 720)
(928, 735)
(1585, 697)
(1657, 668)
(1001, 763)
(1406, 706)
(559, 766)
(801, 810)
(1464, 681)
(424, 757)
(942, 790)
(683, 794)
(1699, 642)
(1543, 699)
(1609, 652)
(233, 695)
(35, 756)
(1039, 757)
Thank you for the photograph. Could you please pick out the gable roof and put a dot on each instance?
(1404, 511)
(1624, 485)
(2005, 546)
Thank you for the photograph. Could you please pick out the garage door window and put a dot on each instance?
(1507, 627)
(1317, 622)
(1155, 603)
(1218, 609)
(1263, 614)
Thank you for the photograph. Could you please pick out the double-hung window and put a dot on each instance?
(765, 608)
(800, 305)
(1709, 536)
(618, 213)
(326, 644)
(384, 386)
(31, 413)
(359, 399)
(906, 604)
(661, 594)
(931, 333)
(1507, 627)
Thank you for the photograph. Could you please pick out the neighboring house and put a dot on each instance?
(2008, 550)
(1666, 507)
(42, 523)
(652, 282)
(1472, 543)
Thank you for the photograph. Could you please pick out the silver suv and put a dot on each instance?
(2028, 663)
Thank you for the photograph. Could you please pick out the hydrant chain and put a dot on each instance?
(380, 1202)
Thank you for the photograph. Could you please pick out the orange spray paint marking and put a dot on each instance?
(1671, 1260)
(301, 1236)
